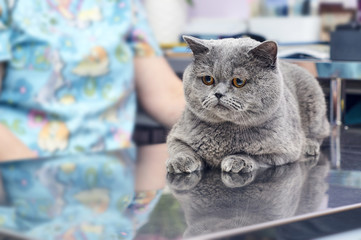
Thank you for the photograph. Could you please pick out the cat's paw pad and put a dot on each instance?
(234, 180)
(183, 163)
(183, 182)
(236, 164)
(312, 148)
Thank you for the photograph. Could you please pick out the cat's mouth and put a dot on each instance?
(222, 106)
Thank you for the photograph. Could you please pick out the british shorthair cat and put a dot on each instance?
(245, 109)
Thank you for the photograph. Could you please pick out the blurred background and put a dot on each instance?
(281, 20)
(324, 35)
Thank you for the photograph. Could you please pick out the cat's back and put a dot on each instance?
(298, 79)
(310, 98)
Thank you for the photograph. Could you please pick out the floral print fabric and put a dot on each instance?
(68, 84)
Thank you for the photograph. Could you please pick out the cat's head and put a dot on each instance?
(234, 80)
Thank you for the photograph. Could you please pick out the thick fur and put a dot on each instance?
(278, 115)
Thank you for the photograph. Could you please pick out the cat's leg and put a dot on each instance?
(238, 163)
(182, 158)
(312, 147)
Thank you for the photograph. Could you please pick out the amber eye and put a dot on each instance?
(208, 80)
(237, 82)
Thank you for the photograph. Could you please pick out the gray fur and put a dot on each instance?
(280, 114)
(213, 201)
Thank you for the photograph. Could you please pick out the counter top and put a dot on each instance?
(124, 195)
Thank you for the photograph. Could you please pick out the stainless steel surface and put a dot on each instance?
(210, 203)
(111, 195)
(338, 69)
(336, 101)
(335, 147)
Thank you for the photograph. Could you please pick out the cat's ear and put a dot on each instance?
(197, 46)
(266, 52)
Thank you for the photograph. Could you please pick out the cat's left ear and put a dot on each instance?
(266, 52)
(197, 46)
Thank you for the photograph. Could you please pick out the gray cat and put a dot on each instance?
(245, 109)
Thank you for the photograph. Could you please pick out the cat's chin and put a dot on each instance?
(208, 117)
(222, 108)
(222, 114)
(225, 117)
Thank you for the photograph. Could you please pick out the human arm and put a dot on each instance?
(160, 91)
(150, 163)
(11, 148)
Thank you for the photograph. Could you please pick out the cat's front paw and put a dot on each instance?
(184, 163)
(236, 180)
(238, 163)
(312, 147)
(183, 182)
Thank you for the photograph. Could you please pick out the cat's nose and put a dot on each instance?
(218, 95)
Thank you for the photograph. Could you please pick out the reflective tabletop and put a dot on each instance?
(127, 194)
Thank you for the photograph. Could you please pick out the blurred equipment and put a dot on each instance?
(167, 19)
(258, 28)
(346, 40)
(282, 29)
(346, 43)
(332, 14)
(215, 27)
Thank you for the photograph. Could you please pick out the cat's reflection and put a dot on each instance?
(214, 201)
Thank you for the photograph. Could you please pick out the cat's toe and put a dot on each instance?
(312, 148)
(183, 163)
(249, 167)
(238, 163)
(232, 164)
(233, 180)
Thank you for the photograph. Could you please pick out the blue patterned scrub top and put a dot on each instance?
(68, 85)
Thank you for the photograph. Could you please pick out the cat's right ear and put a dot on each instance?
(197, 46)
(266, 53)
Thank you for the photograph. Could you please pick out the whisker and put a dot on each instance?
(209, 101)
(232, 104)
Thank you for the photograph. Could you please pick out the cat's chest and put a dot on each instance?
(216, 141)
